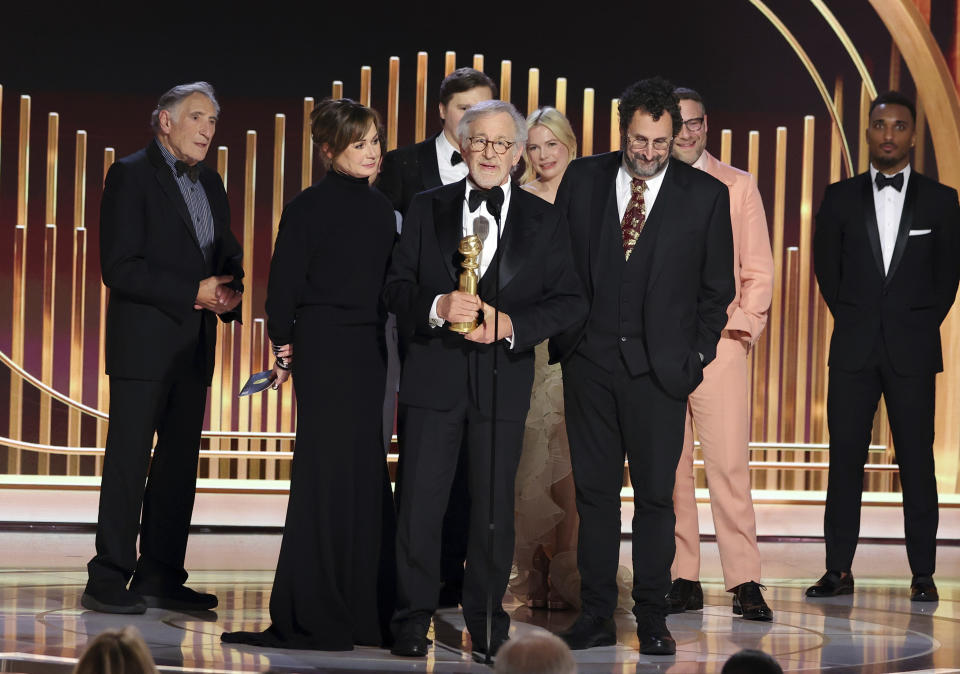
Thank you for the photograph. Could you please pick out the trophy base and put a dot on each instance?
(463, 327)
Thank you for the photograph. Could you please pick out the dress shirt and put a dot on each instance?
(197, 204)
(649, 195)
(448, 172)
(888, 204)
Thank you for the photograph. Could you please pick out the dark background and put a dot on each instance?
(102, 67)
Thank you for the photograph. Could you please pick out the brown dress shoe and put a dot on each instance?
(831, 584)
(748, 602)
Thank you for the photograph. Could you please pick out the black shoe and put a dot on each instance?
(654, 637)
(748, 602)
(922, 588)
(116, 600)
(831, 584)
(450, 595)
(684, 595)
(411, 638)
(589, 631)
(179, 598)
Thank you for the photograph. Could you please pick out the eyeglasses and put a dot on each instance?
(694, 124)
(641, 143)
(479, 144)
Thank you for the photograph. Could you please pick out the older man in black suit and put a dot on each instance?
(654, 247)
(887, 259)
(447, 384)
(172, 265)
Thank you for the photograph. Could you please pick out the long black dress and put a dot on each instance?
(334, 586)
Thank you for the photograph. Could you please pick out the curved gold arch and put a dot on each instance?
(848, 45)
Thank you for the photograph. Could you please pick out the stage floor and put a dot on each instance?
(876, 630)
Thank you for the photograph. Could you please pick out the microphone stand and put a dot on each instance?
(491, 531)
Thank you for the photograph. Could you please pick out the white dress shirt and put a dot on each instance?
(448, 172)
(649, 195)
(888, 205)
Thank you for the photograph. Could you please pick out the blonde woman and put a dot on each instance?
(546, 529)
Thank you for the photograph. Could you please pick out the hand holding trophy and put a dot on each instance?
(470, 248)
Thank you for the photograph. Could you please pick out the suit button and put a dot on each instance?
(623, 339)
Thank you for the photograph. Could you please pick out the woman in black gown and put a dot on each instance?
(334, 585)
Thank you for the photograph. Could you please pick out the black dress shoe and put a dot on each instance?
(113, 600)
(179, 598)
(922, 588)
(654, 637)
(831, 584)
(748, 602)
(411, 639)
(684, 595)
(589, 631)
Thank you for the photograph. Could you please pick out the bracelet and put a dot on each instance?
(282, 364)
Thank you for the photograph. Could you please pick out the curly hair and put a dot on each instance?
(654, 96)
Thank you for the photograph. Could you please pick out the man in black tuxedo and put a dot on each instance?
(886, 259)
(407, 171)
(654, 247)
(172, 265)
(446, 387)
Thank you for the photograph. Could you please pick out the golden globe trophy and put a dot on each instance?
(470, 248)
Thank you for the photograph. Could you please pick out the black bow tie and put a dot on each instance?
(193, 172)
(896, 182)
(455, 158)
(493, 197)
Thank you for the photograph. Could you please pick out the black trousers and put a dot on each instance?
(609, 416)
(431, 441)
(852, 399)
(164, 487)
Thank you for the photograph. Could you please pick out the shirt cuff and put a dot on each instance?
(435, 320)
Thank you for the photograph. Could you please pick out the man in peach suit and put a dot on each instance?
(718, 407)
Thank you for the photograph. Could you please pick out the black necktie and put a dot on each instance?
(493, 197)
(896, 182)
(455, 158)
(193, 172)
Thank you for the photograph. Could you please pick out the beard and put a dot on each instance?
(886, 162)
(646, 169)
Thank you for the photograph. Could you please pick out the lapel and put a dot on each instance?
(427, 161)
(515, 245)
(906, 222)
(448, 225)
(870, 221)
(170, 188)
(605, 197)
(670, 189)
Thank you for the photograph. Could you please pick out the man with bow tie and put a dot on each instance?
(885, 255)
(172, 266)
(527, 293)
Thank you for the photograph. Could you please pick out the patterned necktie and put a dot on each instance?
(634, 217)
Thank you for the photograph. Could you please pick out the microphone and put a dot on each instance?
(495, 202)
(481, 227)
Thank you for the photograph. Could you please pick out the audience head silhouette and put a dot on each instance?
(116, 652)
(750, 661)
(537, 652)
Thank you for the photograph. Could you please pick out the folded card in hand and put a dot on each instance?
(257, 382)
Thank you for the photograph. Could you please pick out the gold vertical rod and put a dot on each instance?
(103, 386)
(893, 83)
(255, 468)
(393, 102)
(775, 328)
(306, 147)
(53, 152)
(420, 123)
(863, 154)
(561, 99)
(588, 107)
(336, 91)
(223, 164)
(246, 313)
(920, 149)
(276, 206)
(366, 84)
(836, 148)
(506, 68)
(726, 145)
(48, 303)
(78, 296)
(478, 62)
(226, 416)
(614, 124)
(533, 89)
(804, 267)
(449, 62)
(789, 385)
(753, 154)
(19, 279)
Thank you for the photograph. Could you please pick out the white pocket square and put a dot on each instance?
(919, 232)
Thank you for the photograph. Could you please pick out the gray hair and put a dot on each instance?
(535, 652)
(492, 107)
(173, 98)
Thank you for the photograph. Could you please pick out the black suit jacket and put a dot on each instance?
(408, 171)
(908, 302)
(152, 262)
(690, 282)
(538, 290)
